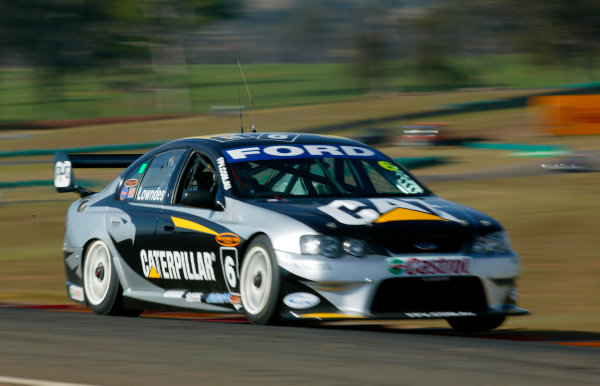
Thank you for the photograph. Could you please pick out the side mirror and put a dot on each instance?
(199, 199)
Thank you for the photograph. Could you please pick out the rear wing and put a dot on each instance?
(64, 178)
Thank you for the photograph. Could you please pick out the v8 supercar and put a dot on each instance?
(281, 227)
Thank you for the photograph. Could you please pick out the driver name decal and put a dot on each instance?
(257, 153)
(151, 194)
(175, 265)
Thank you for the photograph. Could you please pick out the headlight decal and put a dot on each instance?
(492, 244)
(330, 246)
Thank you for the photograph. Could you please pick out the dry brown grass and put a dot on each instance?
(553, 219)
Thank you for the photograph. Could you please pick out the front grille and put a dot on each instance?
(429, 294)
(408, 245)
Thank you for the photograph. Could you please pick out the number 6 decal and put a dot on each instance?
(231, 269)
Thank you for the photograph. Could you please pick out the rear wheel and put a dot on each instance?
(259, 282)
(474, 324)
(101, 284)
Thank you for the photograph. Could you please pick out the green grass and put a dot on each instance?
(194, 89)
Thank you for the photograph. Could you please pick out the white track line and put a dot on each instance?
(35, 382)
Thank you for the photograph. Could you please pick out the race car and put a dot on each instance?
(281, 227)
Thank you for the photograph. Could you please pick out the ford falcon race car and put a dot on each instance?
(282, 227)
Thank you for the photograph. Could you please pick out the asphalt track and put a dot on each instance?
(72, 345)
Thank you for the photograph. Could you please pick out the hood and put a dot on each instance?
(394, 223)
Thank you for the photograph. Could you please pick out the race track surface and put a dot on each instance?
(72, 345)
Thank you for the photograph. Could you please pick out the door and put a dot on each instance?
(132, 222)
(202, 255)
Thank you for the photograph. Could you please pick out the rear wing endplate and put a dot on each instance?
(64, 178)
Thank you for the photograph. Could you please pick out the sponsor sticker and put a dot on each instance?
(123, 193)
(223, 173)
(228, 239)
(228, 138)
(310, 266)
(301, 300)
(175, 265)
(62, 174)
(218, 298)
(257, 153)
(131, 193)
(388, 165)
(279, 137)
(174, 294)
(212, 298)
(76, 293)
(352, 212)
(433, 266)
(142, 168)
(130, 183)
(193, 297)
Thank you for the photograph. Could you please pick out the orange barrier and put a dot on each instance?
(566, 114)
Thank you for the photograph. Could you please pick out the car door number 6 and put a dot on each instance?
(231, 268)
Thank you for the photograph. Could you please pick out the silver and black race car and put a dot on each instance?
(281, 227)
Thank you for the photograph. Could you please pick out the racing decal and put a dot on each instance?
(406, 215)
(442, 314)
(228, 239)
(174, 294)
(157, 194)
(123, 194)
(177, 264)
(312, 266)
(229, 138)
(130, 183)
(142, 168)
(279, 137)
(301, 300)
(388, 166)
(351, 212)
(436, 266)
(211, 298)
(231, 268)
(131, 193)
(223, 173)
(218, 298)
(257, 153)
(62, 174)
(186, 224)
(76, 292)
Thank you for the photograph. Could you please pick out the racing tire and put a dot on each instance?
(260, 282)
(101, 285)
(470, 325)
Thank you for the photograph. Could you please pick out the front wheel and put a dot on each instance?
(259, 282)
(472, 324)
(101, 284)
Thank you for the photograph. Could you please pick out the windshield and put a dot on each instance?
(321, 177)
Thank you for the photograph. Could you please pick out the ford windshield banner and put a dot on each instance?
(259, 153)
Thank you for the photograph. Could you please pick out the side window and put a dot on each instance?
(131, 182)
(156, 180)
(199, 174)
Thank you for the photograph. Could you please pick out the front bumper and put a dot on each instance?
(351, 287)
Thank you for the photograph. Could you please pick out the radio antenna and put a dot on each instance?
(249, 96)
(240, 105)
